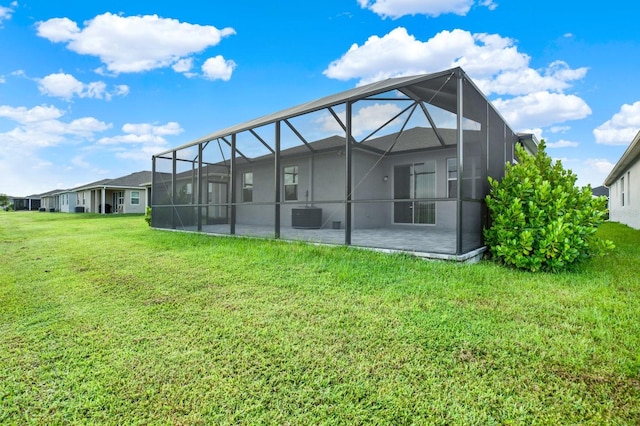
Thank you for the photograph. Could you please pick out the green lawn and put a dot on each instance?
(106, 321)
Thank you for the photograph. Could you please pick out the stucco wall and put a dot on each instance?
(629, 214)
(322, 175)
(68, 202)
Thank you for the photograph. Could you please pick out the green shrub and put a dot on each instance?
(147, 215)
(540, 219)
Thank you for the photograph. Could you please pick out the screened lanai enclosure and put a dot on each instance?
(400, 164)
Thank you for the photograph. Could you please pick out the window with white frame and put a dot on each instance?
(135, 197)
(622, 191)
(247, 187)
(628, 188)
(291, 183)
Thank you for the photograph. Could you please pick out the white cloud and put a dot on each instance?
(542, 109)
(151, 42)
(592, 171)
(364, 120)
(600, 165)
(143, 133)
(6, 12)
(397, 8)
(530, 97)
(40, 127)
(36, 114)
(562, 144)
(556, 78)
(66, 86)
(493, 61)
(183, 65)
(621, 128)
(218, 68)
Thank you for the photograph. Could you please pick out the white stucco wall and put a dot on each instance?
(67, 202)
(629, 213)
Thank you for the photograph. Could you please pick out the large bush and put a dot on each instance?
(540, 219)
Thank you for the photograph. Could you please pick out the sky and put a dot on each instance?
(91, 90)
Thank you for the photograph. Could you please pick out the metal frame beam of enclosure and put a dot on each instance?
(460, 155)
(150, 201)
(200, 185)
(277, 179)
(232, 182)
(174, 187)
(348, 172)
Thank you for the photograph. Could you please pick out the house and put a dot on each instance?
(600, 191)
(396, 165)
(50, 201)
(624, 187)
(30, 202)
(125, 194)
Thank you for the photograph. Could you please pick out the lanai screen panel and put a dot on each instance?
(214, 187)
(401, 196)
(254, 182)
(185, 195)
(474, 171)
(162, 190)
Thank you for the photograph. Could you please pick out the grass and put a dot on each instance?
(106, 321)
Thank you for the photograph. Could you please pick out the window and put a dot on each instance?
(622, 190)
(135, 197)
(291, 183)
(628, 188)
(83, 198)
(247, 187)
(452, 178)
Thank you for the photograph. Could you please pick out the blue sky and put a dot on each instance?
(91, 90)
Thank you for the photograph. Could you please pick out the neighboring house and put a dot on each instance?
(50, 201)
(67, 201)
(31, 202)
(121, 195)
(600, 191)
(624, 187)
(401, 164)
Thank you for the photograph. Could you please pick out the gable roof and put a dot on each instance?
(133, 180)
(630, 156)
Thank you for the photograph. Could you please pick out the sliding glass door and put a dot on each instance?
(412, 184)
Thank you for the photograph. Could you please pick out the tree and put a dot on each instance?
(540, 219)
(4, 201)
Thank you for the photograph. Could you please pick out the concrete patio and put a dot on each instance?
(427, 242)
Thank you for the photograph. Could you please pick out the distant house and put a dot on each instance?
(397, 165)
(30, 202)
(50, 201)
(125, 194)
(600, 191)
(624, 187)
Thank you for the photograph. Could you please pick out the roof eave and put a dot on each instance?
(631, 155)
